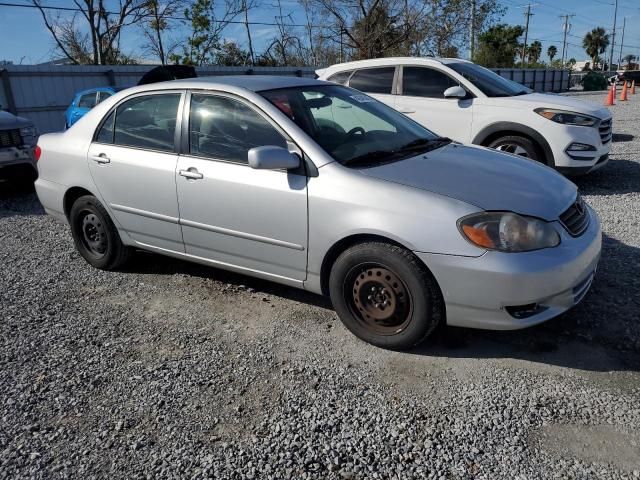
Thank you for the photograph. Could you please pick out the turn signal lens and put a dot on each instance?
(37, 152)
(508, 232)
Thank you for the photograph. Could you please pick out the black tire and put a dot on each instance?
(390, 278)
(95, 236)
(518, 145)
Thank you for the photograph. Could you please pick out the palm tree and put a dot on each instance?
(629, 59)
(534, 52)
(552, 51)
(595, 43)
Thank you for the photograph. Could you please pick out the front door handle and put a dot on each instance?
(101, 158)
(407, 111)
(191, 173)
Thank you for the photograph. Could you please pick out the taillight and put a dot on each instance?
(37, 152)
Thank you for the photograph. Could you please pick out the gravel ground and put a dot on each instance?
(174, 370)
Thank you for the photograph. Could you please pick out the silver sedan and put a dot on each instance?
(318, 186)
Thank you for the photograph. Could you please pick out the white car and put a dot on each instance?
(471, 104)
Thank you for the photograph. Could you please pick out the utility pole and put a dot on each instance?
(613, 34)
(526, 34)
(566, 31)
(472, 30)
(624, 24)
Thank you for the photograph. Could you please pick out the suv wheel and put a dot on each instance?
(95, 236)
(518, 145)
(384, 295)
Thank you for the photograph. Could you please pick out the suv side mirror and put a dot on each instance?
(270, 157)
(455, 92)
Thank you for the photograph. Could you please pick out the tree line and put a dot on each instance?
(196, 32)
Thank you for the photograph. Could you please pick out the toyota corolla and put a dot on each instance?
(318, 186)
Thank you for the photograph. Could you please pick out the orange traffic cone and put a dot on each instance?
(611, 97)
(633, 87)
(623, 95)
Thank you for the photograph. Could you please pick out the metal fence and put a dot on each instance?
(538, 79)
(42, 93)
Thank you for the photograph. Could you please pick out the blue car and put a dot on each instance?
(85, 101)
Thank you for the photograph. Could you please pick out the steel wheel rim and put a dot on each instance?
(93, 233)
(513, 149)
(378, 299)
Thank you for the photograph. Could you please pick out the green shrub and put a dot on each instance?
(594, 81)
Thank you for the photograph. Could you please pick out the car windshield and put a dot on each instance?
(490, 83)
(352, 127)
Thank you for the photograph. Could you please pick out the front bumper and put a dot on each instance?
(10, 156)
(478, 290)
(576, 162)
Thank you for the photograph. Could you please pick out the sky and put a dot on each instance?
(24, 39)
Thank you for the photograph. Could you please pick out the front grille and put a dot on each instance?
(605, 129)
(576, 218)
(10, 138)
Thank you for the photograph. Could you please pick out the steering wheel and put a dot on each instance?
(355, 130)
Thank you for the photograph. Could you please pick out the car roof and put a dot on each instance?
(255, 83)
(389, 61)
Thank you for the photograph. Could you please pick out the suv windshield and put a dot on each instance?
(490, 83)
(352, 127)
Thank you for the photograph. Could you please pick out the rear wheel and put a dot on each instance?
(384, 295)
(518, 145)
(95, 236)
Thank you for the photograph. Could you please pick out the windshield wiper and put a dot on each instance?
(425, 143)
(369, 156)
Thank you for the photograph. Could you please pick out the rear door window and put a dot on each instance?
(102, 95)
(425, 82)
(373, 80)
(340, 77)
(146, 122)
(88, 100)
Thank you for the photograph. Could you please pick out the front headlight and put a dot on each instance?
(28, 131)
(508, 232)
(567, 118)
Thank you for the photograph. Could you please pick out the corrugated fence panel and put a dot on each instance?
(42, 93)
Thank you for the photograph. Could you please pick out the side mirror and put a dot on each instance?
(270, 157)
(455, 92)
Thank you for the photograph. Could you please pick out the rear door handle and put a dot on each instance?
(101, 158)
(191, 173)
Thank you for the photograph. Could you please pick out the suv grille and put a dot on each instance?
(576, 218)
(605, 131)
(10, 138)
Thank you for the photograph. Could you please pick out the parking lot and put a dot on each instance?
(170, 369)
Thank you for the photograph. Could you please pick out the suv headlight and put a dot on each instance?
(567, 118)
(29, 131)
(508, 232)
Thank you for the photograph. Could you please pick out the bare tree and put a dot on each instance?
(101, 45)
(161, 18)
(286, 48)
(208, 21)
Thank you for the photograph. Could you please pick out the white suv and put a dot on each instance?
(472, 104)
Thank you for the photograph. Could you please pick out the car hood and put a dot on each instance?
(485, 178)
(9, 121)
(561, 102)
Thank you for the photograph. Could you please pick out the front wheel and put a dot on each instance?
(518, 145)
(385, 296)
(95, 236)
